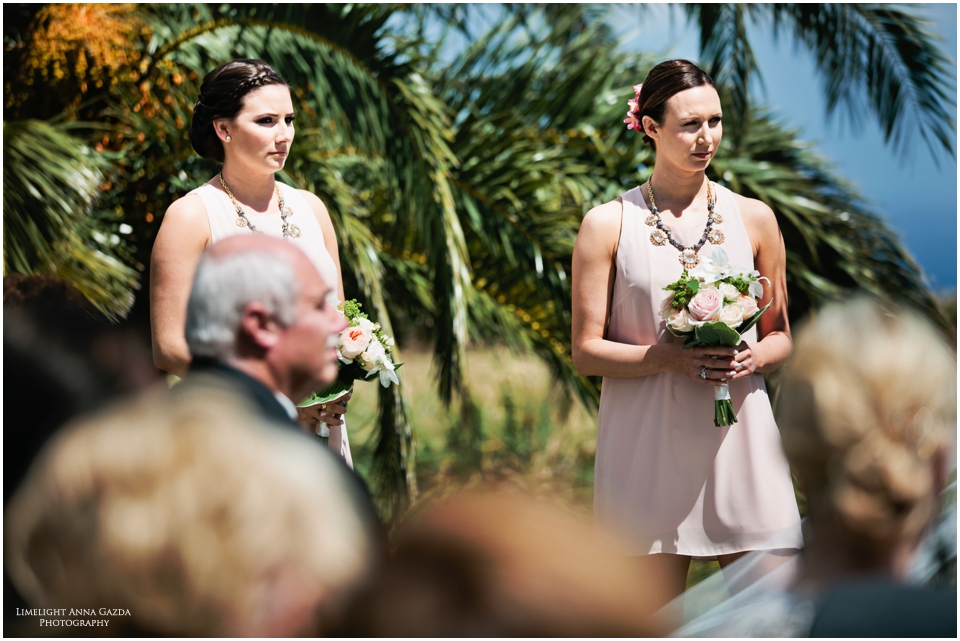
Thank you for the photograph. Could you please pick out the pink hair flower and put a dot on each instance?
(632, 122)
(637, 88)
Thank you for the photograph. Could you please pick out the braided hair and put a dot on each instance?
(221, 96)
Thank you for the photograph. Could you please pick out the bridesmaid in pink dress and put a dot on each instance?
(673, 485)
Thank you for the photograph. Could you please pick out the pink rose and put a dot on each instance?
(706, 305)
(354, 340)
(749, 306)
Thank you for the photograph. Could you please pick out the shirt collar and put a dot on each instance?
(287, 404)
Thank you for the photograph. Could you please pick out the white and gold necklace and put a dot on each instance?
(289, 229)
(661, 235)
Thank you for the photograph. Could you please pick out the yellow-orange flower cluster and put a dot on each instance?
(90, 44)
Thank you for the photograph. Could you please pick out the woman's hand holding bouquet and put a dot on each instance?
(714, 305)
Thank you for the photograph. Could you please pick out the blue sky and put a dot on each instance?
(916, 197)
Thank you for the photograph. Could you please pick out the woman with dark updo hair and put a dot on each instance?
(243, 119)
(672, 483)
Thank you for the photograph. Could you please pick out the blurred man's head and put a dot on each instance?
(194, 517)
(493, 565)
(259, 302)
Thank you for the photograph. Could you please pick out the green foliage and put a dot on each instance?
(683, 290)
(351, 309)
(716, 333)
(51, 183)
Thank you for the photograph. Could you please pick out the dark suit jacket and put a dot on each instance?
(208, 371)
(211, 374)
(881, 608)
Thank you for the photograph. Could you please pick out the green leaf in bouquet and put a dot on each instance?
(694, 285)
(717, 333)
(752, 320)
(692, 344)
(678, 333)
(327, 394)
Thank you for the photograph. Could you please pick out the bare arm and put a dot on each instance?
(331, 413)
(773, 330)
(329, 235)
(594, 269)
(183, 235)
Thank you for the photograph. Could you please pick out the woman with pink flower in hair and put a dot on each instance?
(671, 483)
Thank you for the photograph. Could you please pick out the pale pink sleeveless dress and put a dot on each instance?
(667, 479)
(222, 216)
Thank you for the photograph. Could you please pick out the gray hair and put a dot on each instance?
(224, 286)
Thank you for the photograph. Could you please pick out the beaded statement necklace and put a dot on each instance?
(289, 229)
(661, 235)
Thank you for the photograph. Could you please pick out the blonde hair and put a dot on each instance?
(194, 516)
(868, 401)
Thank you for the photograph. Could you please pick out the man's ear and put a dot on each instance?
(257, 324)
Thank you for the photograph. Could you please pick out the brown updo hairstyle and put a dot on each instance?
(663, 82)
(867, 412)
(221, 96)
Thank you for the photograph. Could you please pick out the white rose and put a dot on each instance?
(373, 356)
(366, 323)
(730, 293)
(732, 315)
(390, 342)
(749, 306)
(666, 307)
(353, 340)
(680, 320)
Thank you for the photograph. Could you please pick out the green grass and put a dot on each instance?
(511, 430)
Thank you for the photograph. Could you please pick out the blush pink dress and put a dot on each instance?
(222, 216)
(667, 479)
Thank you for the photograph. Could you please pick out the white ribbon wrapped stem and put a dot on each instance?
(721, 393)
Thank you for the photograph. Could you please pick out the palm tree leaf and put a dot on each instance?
(884, 59)
(51, 183)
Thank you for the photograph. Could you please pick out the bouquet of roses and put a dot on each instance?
(714, 304)
(363, 351)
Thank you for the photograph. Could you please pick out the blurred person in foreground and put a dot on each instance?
(262, 322)
(62, 358)
(868, 415)
(500, 565)
(187, 518)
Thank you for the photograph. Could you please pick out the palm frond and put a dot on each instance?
(726, 54)
(51, 182)
(835, 242)
(883, 59)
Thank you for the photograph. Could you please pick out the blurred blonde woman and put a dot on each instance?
(868, 416)
(186, 517)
